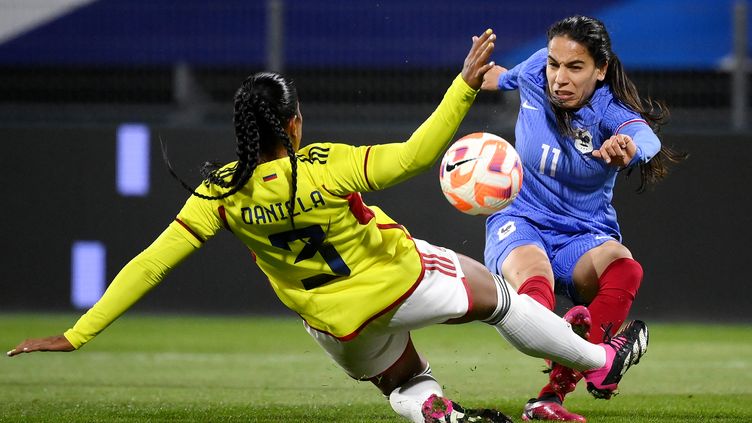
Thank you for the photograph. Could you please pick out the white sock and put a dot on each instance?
(538, 332)
(407, 400)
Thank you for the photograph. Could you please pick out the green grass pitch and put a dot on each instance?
(263, 369)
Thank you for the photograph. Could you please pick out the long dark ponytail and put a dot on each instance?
(262, 104)
(592, 34)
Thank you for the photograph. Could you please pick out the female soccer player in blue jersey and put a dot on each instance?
(357, 278)
(581, 122)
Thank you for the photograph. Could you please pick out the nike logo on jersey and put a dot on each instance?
(527, 105)
(603, 237)
(450, 166)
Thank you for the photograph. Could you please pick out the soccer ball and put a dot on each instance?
(481, 173)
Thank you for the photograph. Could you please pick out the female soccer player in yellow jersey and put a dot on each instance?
(357, 278)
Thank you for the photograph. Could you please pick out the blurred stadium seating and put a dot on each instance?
(72, 72)
(145, 59)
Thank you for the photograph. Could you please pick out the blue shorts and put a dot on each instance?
(505, 232)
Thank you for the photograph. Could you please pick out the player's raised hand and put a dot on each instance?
(491, 78)
(617, 150)
(476, 63)
(50, 343)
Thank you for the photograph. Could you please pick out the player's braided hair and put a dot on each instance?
(262, 103)
(592, 34)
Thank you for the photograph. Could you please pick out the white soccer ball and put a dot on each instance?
(481, 173)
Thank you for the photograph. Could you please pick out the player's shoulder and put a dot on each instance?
(603, 99)
(324, 152)
(612, 110)
(316, 153)
(533, 68)
(536, 63)
(538, 58)
(224, 172)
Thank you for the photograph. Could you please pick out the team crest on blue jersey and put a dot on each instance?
(583, 141)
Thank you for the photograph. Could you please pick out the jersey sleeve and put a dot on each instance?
(139, 276)
(345, 168)
(199, 217)
(381, 166)
(196, 222)
(618, 119)
(509, 80)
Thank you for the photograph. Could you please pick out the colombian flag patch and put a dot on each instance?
(271, 177)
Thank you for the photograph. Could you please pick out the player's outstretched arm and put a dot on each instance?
(389, 164)
(134, 280)
(491, 78)
(50, 343)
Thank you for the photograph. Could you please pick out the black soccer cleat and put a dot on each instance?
(622, 352)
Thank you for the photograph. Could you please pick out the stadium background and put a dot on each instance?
(73, 72)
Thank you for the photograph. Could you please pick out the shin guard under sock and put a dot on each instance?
(618, 286)
(540, 289)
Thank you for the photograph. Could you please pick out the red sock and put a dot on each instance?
(539, 289)
(548, 393)
(618, 286)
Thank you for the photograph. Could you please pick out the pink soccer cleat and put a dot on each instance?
(622, 352)
(549, 410)
(438, 409)
(579, 318)
(563, 380)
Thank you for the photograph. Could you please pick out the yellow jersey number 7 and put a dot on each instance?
(314, 239)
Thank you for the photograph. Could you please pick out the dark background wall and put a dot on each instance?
(367, 72)
(691, 233)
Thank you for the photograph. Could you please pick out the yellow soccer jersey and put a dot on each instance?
(342, 264)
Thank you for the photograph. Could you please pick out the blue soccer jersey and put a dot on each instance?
(566, 191)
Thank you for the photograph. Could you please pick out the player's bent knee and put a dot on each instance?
(482, 289)
(623, 273)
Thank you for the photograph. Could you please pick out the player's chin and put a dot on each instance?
(568, 99)
(572, 104)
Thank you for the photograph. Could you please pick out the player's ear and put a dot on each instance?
(292, 127)
(296, 120)
(601, 72)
